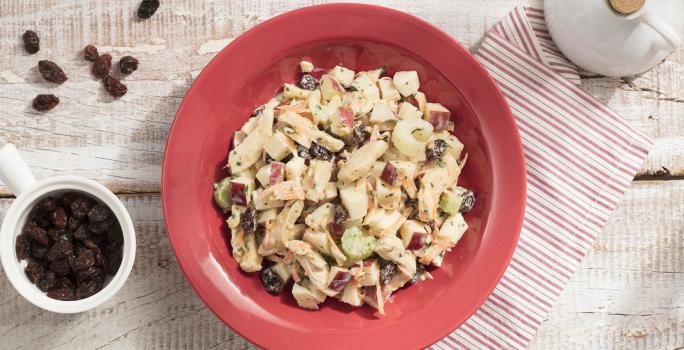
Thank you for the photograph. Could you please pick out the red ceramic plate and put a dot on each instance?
(245, 75)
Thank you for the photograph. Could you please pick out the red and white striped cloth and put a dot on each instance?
(580, 157)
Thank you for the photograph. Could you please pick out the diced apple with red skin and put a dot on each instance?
(409, 111)
(346, 117)
(387, 90)
(344, 75)
(406, 82)
(437, 115)
(271, 174)
(371, 273)
(306, 66)
(418, 100)
(381, 113)
(418, 241)
(352, 295)
(413, 233)
(241, 190)
(278, 147)
(330, 87)
(339, 279)
(277, 173)
(389, 174)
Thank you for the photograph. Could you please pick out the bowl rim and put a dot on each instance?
(518, 175)
(11, 228)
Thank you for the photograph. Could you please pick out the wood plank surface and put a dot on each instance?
(629, 293)
(121, 142)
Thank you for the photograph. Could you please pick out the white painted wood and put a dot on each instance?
(628, 294)
(121, 142)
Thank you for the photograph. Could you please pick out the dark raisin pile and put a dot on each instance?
(72, 243)
(90, 53)
(114, 87)
(102, 66)
(128, 64)
(51, 72)
(45, 102)
(31, 42)
(148, 8)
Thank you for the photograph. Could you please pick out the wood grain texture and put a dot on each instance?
(121, 143)
(629, 292)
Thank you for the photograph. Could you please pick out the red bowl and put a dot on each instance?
(245, 75)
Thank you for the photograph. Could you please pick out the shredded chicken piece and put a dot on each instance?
(286, 190)
(282, 230)
(312, 262)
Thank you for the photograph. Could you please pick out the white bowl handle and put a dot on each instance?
(661, 27)
(14, 171)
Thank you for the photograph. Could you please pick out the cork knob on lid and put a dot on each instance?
(626, 7)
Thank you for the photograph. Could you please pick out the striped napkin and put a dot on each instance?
(580, 157)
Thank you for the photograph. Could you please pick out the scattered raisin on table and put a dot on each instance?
(51, 71)
(31, 41)
(102, 66)
(128, 64)
(90, 53)
(45, 102)
(115, 87)
(148, 8)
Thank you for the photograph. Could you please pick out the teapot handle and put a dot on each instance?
(672, 40)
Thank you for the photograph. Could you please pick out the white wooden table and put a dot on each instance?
(629, 293)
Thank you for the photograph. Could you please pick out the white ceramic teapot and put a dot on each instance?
(598, 38)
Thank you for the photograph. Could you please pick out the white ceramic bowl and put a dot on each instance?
(15, 174)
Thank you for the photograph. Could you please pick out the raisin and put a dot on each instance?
(22, 247)
(420, 268)
(148, 8)
(84, 260)
(98, 213)
(64, 294)
(90, 273)
(308, 82)
(114, 87)
(65, 282)
(60, 267)
(90, 53)
(31, 41)
(38, 251)
(271, 281)
(36, 233)
(48, 204)
(88, 288)
(45, 102)
(51, 71)
(360, 136)
(248, 221)
(74, 224)
(102, 66)
(34, 271)
(48, 281)
(59, 218)
(100, 227)
(56, 234)
(341, 214)
(437, 150)
(113, 261)
(80, 233)
(79, 207)
(61, 249)
(128, 64)
(318, 152)
(387, 271)
(468, 202)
